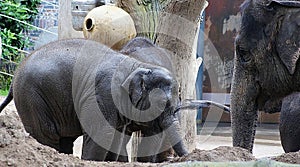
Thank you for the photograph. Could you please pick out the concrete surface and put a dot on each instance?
(267, 140)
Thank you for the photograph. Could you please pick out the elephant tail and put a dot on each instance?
(8, 98)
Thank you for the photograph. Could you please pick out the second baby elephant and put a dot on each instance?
(79, 87)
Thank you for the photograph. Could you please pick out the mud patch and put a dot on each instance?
(220, 154)
(291, 158)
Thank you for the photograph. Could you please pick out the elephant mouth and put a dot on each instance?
(261, 101)
(268, 104)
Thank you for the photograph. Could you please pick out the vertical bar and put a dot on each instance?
(199, 53)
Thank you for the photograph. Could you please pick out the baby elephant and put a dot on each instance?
(79, 87)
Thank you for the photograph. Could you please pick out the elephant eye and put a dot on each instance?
(149, 72)
(270, 8)
(243, 53)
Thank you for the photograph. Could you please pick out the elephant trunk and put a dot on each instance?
(245, 91)
(172, 130)
(243, 129)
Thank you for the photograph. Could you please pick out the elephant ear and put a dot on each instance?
(134, 76)
(288, 40)
(285, 3)
(134, 85)
(135, 45)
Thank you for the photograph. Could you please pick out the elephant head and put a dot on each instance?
(265, 69)
(152, 92)
(143, 81)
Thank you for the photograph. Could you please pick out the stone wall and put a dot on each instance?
(47, 19)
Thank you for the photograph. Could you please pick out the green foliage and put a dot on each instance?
(13, 34)
(3, 92)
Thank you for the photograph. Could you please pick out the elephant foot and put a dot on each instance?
(66, 145)
(158, 158)
(115, 157)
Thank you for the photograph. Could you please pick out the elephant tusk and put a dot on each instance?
(196, 104)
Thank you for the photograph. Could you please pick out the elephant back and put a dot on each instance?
(146, 51)
(47, 79)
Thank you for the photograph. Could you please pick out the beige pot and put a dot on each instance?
(109, 25)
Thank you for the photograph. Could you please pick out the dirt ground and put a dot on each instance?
(17, 148)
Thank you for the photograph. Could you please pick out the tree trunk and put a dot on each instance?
(176, 32)
(144, 13)
(172, 24)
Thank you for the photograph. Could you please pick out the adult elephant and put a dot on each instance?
(79, 87)
(266, 65)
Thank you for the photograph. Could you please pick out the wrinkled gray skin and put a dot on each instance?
(46, 98)
(266, 64)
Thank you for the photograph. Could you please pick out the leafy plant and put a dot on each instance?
(15, 17)
(3, 92)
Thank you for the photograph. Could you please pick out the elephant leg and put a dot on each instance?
(36, 119)
(290, 123)
(118, 150)
(165, 155)
(123, 156)
(66, 145)
(165, 150)
(91, 150)
(153, 148)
